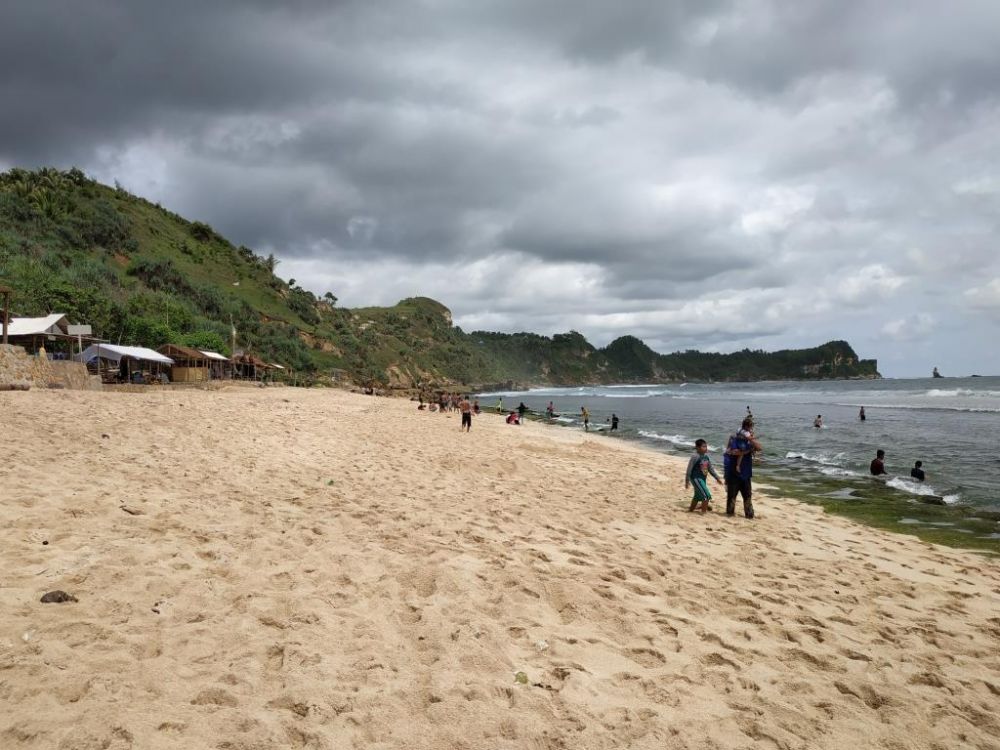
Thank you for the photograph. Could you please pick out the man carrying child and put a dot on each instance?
(738, 468)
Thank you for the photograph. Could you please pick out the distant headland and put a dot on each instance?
(141, 275)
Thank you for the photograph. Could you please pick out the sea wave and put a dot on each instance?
(836, 471)
(682, 441)
(920, 490)
(923, 407)
(826, 459)
(961, 392)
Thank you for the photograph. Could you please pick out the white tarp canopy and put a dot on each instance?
(51, 324)
(215, 355)
(117, 353)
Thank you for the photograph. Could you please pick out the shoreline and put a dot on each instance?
(925, 515)
(291, 567)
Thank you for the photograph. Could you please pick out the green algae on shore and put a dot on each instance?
(874, 504)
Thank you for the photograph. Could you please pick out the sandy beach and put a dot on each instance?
(272, 568)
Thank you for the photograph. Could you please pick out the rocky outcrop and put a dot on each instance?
(21, 371)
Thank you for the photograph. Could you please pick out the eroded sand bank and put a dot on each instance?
(288, 568)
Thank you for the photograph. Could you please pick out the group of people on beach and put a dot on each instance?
(451, 402)
(517, 416)
(737, 470)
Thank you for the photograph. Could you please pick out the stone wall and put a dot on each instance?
(74, 376)
(21, 371)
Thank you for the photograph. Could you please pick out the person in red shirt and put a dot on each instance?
(878, 463)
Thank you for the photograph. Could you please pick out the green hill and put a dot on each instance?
(140, 274)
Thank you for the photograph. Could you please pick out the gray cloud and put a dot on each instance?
(724, 173)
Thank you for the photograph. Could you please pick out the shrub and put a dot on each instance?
(202, 232)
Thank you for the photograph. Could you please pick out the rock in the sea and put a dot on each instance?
(57, 597)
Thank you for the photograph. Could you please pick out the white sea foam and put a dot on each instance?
(835, 459)
(961, 392)
(919, 489)
(836, 471)
(682, 441)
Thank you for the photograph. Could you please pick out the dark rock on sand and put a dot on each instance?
(58, 597)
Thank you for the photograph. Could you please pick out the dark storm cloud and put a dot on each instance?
(659, 168)
(72, 78)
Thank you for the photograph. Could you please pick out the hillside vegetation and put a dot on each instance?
(140, 274)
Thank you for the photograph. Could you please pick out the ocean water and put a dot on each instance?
(951, 424)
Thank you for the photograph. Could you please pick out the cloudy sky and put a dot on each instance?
(700, 173)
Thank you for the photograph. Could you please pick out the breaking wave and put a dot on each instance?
(682, 441)
(920, 490)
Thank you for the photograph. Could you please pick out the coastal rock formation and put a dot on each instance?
(21, 371)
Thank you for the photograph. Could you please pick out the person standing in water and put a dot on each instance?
(861, 414)
(550, 410)
(614, 422)
(818, 422)
(917, 472)
(877, 467)
(586, 417)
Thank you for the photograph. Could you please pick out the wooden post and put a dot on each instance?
(6, 311)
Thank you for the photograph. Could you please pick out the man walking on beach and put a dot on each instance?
(466, 408)
(738, 479)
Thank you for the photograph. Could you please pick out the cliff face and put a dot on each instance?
(142, 275)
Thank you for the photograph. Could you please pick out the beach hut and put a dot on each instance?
(52, 334)
(125, 364)
(190, 365)
(219, 366)
(248, 367)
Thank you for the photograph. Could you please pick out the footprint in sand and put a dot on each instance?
(647, 657)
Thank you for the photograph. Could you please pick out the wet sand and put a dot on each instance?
(271, 568)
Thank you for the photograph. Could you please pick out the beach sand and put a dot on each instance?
(271, 568)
